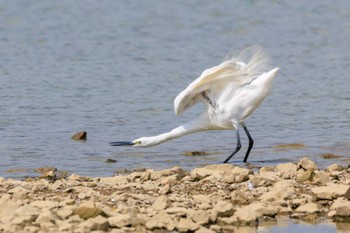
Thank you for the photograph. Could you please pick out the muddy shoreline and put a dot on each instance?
(213, 198)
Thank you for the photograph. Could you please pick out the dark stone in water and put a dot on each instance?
(330, 156)
(290, 146)
(80, 135)
(111, 161)
(17, 170)
(195, 153)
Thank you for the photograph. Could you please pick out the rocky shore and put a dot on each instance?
(214, 198)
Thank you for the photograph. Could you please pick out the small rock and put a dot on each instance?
(161, 203)
(245, 216)
(222, 209)
(340, 210)
(287, 170)
(227, 173)
(306, 164)
(161, 221)
(259, 180)
(18, 193)
(203, 172)
(290, 146)
(332, 191)
(16, 170)
(305, 175)
(82, 135)
(82, 196)
(199, 216)
(295, 203)
(308, 208)
(165, 189)
(65, 212)
(25, 215)
(239, 197)
(340, 202)
(88, 212)
(99, 223)
(46, 216)
(201, 199)
(215, 228)
(45, 204)
(236, 175)
(330, 156)
(185, 225)
(111, 161)
(64, 226)
(45, 169)
(202, 202)
(321, 178)
(263, 210)
(194, 153)
(275, 194)
(178, 211)
(121, 220)
(170, 180)
(8, 208)
(335, 168)
(204, 230)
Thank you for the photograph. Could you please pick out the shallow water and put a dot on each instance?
(287, 225)
(113, 68)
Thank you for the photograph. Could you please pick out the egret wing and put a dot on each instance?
(219, 83)
(211, 84)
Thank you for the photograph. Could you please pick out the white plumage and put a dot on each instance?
(231, 91)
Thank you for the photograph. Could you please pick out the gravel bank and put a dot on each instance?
(214, 198)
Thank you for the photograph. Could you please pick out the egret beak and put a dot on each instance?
(121, 143)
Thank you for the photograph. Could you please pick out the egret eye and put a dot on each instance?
(137, 142)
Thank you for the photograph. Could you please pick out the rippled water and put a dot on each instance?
(113, 68)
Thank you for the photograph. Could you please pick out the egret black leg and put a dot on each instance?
(238, 146)
(251, 142)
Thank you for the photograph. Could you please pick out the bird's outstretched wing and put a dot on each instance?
(223, 79)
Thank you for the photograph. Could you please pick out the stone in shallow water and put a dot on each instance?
(111, 161)
(82, 135)
(330, 156)
(194, 153)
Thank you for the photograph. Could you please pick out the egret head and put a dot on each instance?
(140, 142)
(145, 141)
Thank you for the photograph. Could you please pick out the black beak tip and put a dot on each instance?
(121, 143)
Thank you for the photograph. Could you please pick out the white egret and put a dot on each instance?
(231, 91)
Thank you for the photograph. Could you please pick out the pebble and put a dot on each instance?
(82, 135)
(212, 198)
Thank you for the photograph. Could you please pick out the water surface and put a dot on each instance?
(113, 68)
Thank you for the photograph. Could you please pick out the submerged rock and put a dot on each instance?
(195, 153)
(330, 156)
(111, 161)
